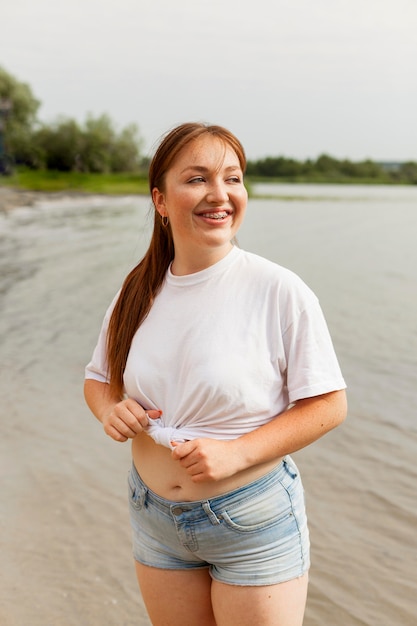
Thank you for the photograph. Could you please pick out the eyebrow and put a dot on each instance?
(201, 168)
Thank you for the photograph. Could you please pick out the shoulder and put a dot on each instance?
(268, 274)
(264, 267)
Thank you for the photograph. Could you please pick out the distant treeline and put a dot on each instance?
(328, 169)
(97, 147)
(92, 147)
(64, 145)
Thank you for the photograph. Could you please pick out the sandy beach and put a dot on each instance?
(11, 198)
(65, 537)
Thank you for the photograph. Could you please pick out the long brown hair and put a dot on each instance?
(145, 280)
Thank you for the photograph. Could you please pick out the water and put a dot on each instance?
(65, 536)
(357, 250)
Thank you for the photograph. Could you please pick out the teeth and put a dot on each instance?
(216, 216)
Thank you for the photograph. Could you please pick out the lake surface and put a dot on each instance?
(65, 539)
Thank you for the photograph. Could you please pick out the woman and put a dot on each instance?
(217, 364)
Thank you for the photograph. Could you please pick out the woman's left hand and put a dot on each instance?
(207, 459)
(306, 421)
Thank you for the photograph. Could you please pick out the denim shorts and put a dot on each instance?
(254, 535)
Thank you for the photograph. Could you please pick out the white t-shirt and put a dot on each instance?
(225, 350)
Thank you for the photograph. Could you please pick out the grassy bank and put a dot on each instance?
(322, 179)
(48, 181)
(51, 181)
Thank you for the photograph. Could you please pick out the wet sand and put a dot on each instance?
(11, 198)
(65, 538)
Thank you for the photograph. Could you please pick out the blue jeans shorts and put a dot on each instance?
(254, 535)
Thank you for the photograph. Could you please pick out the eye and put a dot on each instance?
(234, 179)
(197, 179)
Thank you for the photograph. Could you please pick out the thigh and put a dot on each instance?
(282, 604)
(176, 597)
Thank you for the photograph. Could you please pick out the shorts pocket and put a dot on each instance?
(263, 511)
(290, 468)
(136, 490)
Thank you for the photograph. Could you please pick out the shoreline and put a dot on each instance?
(12, 198)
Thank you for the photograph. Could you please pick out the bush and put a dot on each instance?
(95, 147)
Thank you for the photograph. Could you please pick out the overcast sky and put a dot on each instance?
(290, 77)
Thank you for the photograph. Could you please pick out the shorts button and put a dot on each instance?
(177, 510)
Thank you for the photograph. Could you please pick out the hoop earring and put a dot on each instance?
(165, 220)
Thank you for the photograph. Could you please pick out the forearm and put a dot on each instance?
(98, 398)
(122, 419)
(301, 425)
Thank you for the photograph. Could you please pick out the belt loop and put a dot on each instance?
(210, 514)
(142, 496)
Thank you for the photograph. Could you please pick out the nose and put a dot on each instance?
(217, 193)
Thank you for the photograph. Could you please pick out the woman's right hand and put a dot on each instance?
(127, 419)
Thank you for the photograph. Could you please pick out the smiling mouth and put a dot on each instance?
(218, 215)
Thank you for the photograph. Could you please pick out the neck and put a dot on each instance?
(191, 263)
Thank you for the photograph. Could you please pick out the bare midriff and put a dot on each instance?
(165, 476)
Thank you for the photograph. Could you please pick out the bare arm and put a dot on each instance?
(304, 423)
(121, 419)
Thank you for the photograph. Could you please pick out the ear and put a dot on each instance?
(158, 199)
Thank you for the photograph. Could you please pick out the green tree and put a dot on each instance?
(369, 169)
(63, 144)
(274, 167)
(126, 150)
(98, 139)
(105, 150)
(19, 109)
(58, 145)
(327, 164)
(93, 147)
(408, 172)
